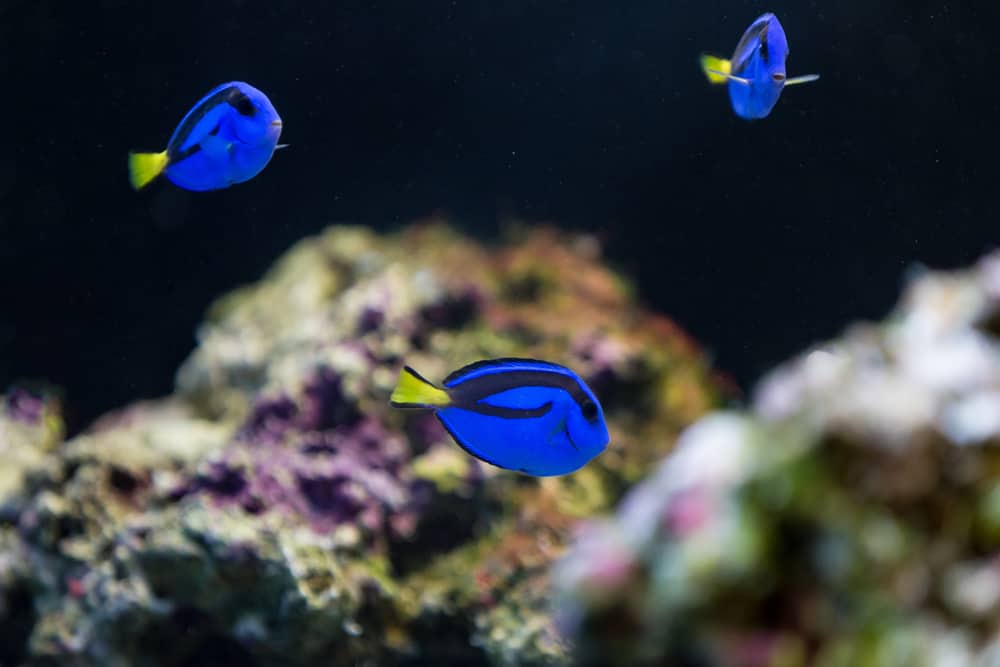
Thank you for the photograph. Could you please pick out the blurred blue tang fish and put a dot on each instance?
(531, 416)
(756, 74)
(228, 137)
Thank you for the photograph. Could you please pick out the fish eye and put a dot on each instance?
(589, 410)
(239, 101)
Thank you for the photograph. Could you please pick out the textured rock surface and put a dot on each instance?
(851, 517)
(275, 511)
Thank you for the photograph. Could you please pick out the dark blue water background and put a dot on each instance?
(758, 238)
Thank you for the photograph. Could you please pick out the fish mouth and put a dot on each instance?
(275, 123)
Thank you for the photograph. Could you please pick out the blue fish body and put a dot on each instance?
(760, 59)
(755, 76)
(531, 416)
(228, 137)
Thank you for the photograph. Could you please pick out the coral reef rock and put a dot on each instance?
(850, 517)
(275, 511)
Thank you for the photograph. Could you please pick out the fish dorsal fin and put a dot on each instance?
(750, 41)
(504, 365)
(191, 129)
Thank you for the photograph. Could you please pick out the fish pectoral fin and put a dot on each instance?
(413, 391)
(558, 426)
(562, 426)
(144, 167)
(280, 146)
(716, 69)
(805, 78)
(216, 146)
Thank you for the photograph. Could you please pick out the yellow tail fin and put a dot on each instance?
(715, 68)
(413, 391)
(144, 167)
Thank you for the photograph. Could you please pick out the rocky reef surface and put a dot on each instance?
(275, 511)
(850, 517)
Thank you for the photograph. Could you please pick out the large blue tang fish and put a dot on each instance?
(531, 416)
(227, 137)
(756, 74)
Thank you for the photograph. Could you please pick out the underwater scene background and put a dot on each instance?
(790, 325)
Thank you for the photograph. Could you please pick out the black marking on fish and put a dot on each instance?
(488, 410)
(417, 375)
(468, 394)
(194, 148)
(238, 100)
(174, 152)
(502, 365)
(184, 154)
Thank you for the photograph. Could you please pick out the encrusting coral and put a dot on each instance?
(850, 518)
(275, 510)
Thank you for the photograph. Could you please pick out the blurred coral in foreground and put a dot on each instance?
(850, 518)
(275, 511)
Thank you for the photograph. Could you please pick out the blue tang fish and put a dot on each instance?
(756, 74)
(228, 137)
(531, 416)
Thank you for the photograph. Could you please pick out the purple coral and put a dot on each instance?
(24, 406)
(370, 320)
(269, 420)
(423, 430)
(330, 497)
(223, 480)
(325, 404)
(454, 311)
(348, 471)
